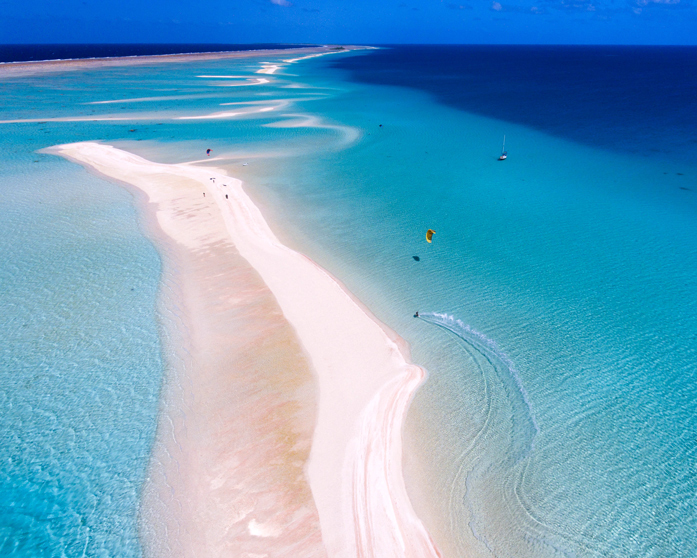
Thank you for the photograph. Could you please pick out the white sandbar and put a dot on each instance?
(365, 380)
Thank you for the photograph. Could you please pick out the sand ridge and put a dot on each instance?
(364, 378)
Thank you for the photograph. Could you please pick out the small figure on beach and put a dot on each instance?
(208, 152)
(225, 196)
(204, 194)
(417, 314)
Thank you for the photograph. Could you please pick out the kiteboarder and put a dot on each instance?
(417, 314)
(208, 152)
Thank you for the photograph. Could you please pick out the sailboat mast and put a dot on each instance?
(503, 150)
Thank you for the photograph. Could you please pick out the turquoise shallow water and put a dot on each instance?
(81, 365)
(80, 362)
(576, 436)
(580, 272)
(559, 414)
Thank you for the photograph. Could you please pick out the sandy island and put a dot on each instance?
(318, 368)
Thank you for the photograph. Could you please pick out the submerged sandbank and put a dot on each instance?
(364, 379)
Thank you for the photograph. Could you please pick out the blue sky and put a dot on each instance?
(350, 21)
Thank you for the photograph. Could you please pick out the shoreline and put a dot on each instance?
(33, 67)
(365, 381)
(151, 55)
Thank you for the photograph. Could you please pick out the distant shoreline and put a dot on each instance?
(32, 67)
(17, 53)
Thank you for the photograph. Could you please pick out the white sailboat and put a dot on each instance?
(504, 154)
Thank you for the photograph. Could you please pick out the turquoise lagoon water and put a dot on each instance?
(80, 365)
(564, 424)
(558, 303)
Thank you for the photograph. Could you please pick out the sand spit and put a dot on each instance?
(20, 69)
(227, 474)
(365, 384)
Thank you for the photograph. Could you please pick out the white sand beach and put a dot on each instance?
(357, 400)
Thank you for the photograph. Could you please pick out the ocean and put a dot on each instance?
(556, 301)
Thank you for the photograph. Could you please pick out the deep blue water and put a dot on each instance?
(25, 53)
(631, 98)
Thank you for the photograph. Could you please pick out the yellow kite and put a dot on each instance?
(429, 234)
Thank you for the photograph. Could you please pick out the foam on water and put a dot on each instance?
(499, 361)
